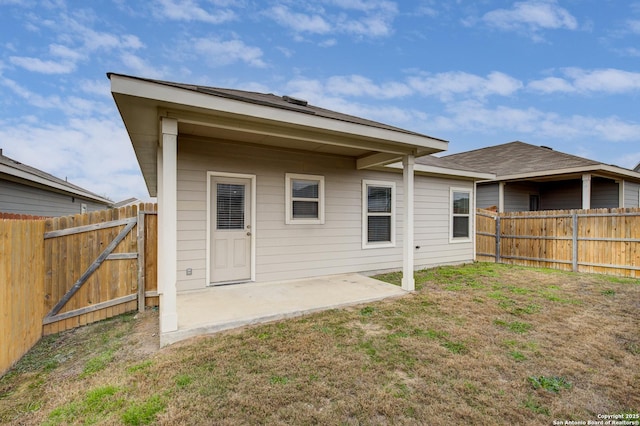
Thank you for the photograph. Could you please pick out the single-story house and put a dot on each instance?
(27, 190)
(259, 187)
(530, 177)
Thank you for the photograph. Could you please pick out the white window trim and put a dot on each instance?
(451, 216)
(288, 218)
(365, 214)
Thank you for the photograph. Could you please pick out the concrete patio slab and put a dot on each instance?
(225, 307)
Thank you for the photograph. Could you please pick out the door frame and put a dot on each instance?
(252, 178)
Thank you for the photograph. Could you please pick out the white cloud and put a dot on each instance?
(634, 26)
(188, 10)
(448, 85)
(551, 85)
(531, 16)
(96, 87)
(71, 106)
(604, 80)
(140, 67)
(93, 153)
(64, 52)
(355, 17)
(610, 81)
(299, 22)
(44, 67)
(227, 52)
(356, 85)
(475, 118)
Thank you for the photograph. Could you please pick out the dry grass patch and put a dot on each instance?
(477, 344)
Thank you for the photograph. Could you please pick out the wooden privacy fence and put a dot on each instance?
(95, 265)
(64, 272)
(604, 241)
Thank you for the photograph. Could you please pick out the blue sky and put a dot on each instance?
(564, 74)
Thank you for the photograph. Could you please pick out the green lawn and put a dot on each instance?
(476, 344)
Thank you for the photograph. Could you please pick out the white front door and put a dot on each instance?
(230, 230)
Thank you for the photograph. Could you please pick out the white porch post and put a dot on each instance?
(167, 224)
(586, 191)
(408, 283)
(501, 197)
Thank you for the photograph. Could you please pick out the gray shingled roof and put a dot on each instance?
(13, 165)
(275, 101)
(518, 158)
(447, 163)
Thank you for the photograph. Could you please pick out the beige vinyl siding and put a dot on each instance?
(631, 194)
(304, 250)
(18, 198)
(432, 212)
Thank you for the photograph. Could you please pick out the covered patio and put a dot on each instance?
(226, 307)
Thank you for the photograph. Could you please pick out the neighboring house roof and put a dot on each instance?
(259, 119)
(519, 160)
(21, 173)
(127, 202)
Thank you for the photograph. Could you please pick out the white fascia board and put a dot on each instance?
(162, 93)
(586, 169)
(442, 171)
(28, 177)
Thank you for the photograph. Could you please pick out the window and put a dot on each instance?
(378, 214)
(230, 206)
(305, 199)
(460, 214)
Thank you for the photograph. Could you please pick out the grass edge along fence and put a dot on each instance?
(603, 241)
(41, 260)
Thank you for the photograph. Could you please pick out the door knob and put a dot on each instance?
(248, 234)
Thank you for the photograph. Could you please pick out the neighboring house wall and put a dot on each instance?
(605, 194)
(488, 195)
(561, 195)
(516, 196)
(631, 194)
(19, 198)
(296, 251)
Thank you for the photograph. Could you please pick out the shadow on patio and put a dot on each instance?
(225, 307)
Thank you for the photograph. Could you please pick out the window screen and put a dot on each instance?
(379, 214)
(304, 198)
(461, 214)
(230, 206)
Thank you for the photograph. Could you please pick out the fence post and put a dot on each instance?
(141, 260)
(574, 255)
(497, 239)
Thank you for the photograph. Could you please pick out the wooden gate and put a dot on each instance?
(95, 266)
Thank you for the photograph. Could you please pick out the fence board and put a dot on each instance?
(21, 288)
(604, 241)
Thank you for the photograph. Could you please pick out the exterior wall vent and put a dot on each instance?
(295, 101)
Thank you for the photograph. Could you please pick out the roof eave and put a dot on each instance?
(444, 171)
(572, 170)
(134, 96)
(30, 179)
